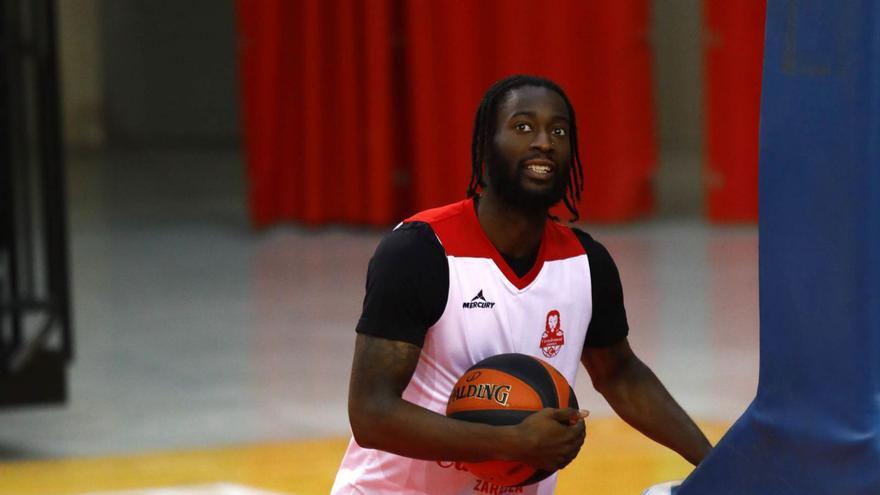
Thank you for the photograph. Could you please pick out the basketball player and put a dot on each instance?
(490, 275)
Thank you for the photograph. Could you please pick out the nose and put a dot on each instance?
(542, 141)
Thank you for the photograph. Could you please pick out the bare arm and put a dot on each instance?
(640, 399)
(381, 419)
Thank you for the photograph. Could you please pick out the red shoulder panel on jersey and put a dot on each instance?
(458, 229)
(561, 241)
(460, 233)
(440, 213)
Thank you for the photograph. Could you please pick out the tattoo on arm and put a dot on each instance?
(382, 368)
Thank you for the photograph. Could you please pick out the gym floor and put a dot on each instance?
(213, 359)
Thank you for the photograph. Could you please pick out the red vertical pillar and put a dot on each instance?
(258, 54)
(286, 189)
(445, 62)
(314, 109)
(616, 112)
(317, 105)
(733, 60)
(382, 147)
(342, 135)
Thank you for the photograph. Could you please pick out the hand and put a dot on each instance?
(551, 438)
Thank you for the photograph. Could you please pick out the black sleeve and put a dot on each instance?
(407, 285)
(608, 325)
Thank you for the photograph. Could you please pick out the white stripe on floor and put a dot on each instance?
(213, 489)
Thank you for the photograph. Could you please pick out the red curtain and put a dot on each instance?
(361, 111)
(317, 110)
(734, 54)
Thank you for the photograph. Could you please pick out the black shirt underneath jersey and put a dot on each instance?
(521, 266)
(408, 285)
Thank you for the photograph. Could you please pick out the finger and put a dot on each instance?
(581, 414)
(580, 439)
(565, 460)
(566, 415)
(551, 413)
(563, 415)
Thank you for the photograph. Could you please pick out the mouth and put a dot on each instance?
(539, 169)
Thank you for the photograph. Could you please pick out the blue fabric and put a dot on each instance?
(814, 426)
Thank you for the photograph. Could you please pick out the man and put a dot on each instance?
(548, 290)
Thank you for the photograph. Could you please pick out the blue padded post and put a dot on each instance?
(814, 426)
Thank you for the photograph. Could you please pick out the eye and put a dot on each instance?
(560, 131)
(522, 127)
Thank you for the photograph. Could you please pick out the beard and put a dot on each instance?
(506, 180)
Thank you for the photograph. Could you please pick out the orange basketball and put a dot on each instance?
(504, 390)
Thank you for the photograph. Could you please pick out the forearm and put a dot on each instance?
(639, 398)
(381, 419)
(403, 428)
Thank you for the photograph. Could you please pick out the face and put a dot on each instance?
(530, 157)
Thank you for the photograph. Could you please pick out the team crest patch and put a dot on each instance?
(553, 337)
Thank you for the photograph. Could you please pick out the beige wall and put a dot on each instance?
(148, 72)
(677, 40)
(678, 72)
(81, 88)
(169, 72)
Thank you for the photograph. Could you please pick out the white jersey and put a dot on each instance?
(489, 310)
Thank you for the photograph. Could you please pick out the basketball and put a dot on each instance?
(503, 390)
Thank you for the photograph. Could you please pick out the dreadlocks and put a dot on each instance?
(484, 132)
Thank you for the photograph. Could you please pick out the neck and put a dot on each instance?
(513, 232)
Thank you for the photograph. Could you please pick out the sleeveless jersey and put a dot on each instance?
(489, 310)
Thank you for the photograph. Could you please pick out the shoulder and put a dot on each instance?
(457, 229)
(442, 214)
(562, 242)
(407, 285)
(602, 266)
(608, 324)
(410, 239)
(595, 250)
